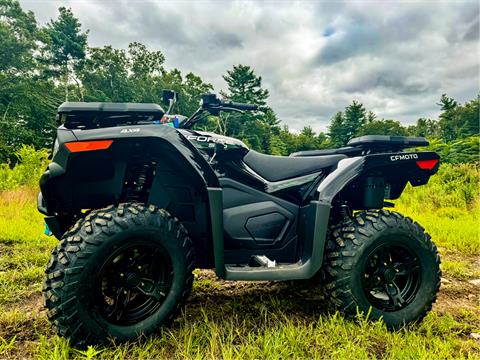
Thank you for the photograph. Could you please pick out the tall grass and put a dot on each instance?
(448, 207)
(26, 172)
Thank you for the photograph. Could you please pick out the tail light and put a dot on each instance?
(427, 164)
(79, 146)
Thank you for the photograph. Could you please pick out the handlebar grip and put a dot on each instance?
(240, 106)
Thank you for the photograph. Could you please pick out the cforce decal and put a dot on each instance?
(209, 139)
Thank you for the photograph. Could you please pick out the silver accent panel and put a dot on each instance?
(347, 170)
(271, 187)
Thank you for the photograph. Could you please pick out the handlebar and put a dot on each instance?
(239, 106)
(212, 104)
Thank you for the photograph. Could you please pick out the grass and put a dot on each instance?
(256, 320)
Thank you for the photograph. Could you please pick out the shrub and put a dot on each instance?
(455, 185)
(457, 151)
(27, 171)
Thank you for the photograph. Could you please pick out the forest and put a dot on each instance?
(43, 66)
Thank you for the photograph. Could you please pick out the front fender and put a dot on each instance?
(166, 134)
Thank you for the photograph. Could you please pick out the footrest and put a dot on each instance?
(261, 260)
(259, 273)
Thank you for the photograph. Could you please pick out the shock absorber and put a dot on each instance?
(140, 174)
(140, 178)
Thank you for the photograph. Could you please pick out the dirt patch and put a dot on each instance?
(24, 327)
(458, 298)
(33, 303)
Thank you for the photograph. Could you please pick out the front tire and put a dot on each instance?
(383, 264)
(118, 274)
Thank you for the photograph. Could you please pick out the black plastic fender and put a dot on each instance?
(397, 168)
(165, 134)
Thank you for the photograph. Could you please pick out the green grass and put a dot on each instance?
(451, 228)
(448, 207)
(259, 320)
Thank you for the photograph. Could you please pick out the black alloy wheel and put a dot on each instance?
(133, 282)
(382, 264)
(120, 273)
(391, 277)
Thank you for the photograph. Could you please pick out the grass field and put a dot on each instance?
(267, 319)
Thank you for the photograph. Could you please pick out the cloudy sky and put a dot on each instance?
(396, 57)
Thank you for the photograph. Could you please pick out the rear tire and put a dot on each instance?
(118, 274)
(383, 264)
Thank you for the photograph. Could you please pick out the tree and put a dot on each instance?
(27, 102)
(105, 75)
(447, 103)
(355, 117)
(346, 125)
(18, 33)
(244, 86)
(446, 119)
(137, 75)
(66, 45)
(382, 127)
(426, 128)
(307, 139)
(458, 121)
(255, 127)
(337, 130)
(145, 69)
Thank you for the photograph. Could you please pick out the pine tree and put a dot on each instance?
(346, 125)
(255, 126)
(66, 44)
(245, 87)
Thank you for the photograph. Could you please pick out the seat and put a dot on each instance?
(277, 168)
(347, 150)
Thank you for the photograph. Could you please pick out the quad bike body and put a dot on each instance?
(138, 205)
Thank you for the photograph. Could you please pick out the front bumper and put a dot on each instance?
(41, 205)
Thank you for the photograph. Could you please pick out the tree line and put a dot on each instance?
(42, 66)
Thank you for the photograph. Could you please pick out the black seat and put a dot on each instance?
(276, 168)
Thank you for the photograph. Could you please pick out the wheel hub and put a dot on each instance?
(133, 280)
(389, 275)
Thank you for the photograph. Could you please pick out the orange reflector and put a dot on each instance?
(427, 164)
(80, 146)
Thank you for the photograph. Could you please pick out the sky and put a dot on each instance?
(315, 58)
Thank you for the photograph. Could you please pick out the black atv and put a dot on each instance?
(138, 204)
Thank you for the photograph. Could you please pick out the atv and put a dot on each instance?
(140, 198)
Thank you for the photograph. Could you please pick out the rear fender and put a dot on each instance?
(364, 182)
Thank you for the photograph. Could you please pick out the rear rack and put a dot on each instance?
(90, 115)
(368, 144)
(386, 142)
